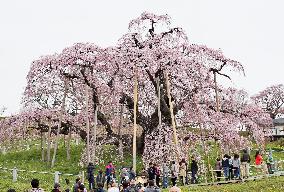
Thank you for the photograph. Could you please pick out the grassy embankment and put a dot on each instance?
(31, 160)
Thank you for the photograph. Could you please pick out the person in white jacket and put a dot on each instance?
(174, 173)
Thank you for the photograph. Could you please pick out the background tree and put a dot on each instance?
(271, 100)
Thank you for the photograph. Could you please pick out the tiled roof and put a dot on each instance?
(279, 121)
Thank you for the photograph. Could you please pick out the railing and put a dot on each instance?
(15, 174)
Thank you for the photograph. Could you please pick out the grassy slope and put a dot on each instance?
(30, 160)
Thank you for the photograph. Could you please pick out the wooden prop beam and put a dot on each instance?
(135, 119)
(87, 123)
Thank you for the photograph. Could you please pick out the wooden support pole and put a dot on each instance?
(87, 123)
(159, 102)
(216, 93)
(95, 132)
(135, 118)
(48, 141)
(217, 108)
(120, 147)
(172, 114)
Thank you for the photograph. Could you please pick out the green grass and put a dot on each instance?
(31, 160)
(273, 184)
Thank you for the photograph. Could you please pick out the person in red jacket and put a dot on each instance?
(258, 161)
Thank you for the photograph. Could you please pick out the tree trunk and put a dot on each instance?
(59, 124)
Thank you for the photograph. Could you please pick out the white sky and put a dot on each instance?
(250, 31)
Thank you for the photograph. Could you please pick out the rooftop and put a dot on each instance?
(279, 121)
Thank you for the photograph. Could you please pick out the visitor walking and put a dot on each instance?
(194, 170)
(174, 173)
(182, 171)
(245, 160)
(218, 168)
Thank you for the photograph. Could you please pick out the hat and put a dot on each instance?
(56, 185)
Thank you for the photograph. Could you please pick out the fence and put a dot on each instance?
(56, 175)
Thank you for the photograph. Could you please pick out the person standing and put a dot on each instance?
(100, 178)
(124, 176)
(194, 170)
(258, 161)
(35, 186)
(218, 168)
(269, 162)
(231, 171)
(174, 173)
(132, 174)
(157, 174)
(76, 185)
(165, 170)
(113, 187)
(56, 188)
(110, 170)
(245, 160)
(151, 172)
(225, 166)
(236, 166)
(151, 187)
(90, 176)
(100, 187)
(182, 171)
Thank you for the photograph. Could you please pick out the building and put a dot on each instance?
(277, 130)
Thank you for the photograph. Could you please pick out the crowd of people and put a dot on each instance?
(156, 177)
(236, 167)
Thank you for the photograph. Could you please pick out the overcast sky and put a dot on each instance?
(250, 31)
